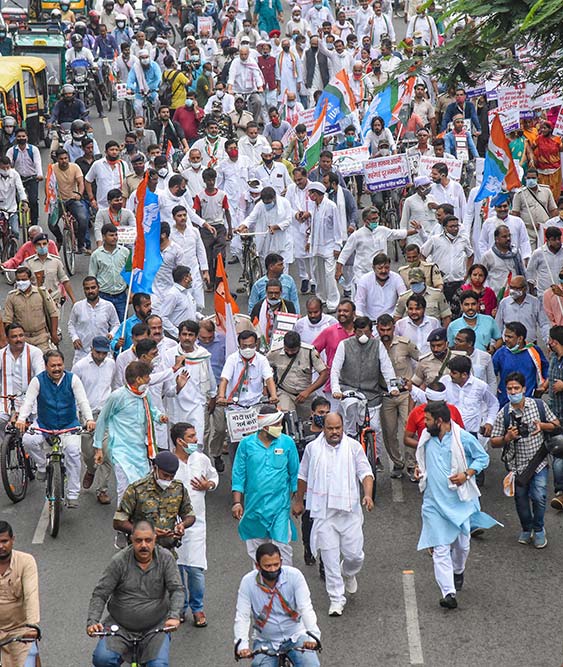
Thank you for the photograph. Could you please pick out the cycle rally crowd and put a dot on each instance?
(295, 143)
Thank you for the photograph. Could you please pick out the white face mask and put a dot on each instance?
(163, 173)
(195, 165)
(142, 388)
(363, 339)
(247, 353)
(23, 285)
(163, 483)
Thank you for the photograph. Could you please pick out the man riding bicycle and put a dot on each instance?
(144, 79)
(277, 601)
(59, 395)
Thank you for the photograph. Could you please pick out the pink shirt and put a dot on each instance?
(553, 310)
(26, 251)
(328, 341)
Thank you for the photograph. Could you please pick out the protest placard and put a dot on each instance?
(241, 422)
(454, 166)
(387, 173)
(351, 161)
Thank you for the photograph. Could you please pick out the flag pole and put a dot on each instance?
(129, 289)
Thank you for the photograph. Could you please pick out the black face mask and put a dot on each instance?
(440, 355)
(270, 575)
(319, 420)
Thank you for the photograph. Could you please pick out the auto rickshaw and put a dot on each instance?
(36, 95)
(12, 95)
(77, 6)
(43, 41)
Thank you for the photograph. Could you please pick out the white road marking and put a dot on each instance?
(42, 524)
(411, 611)
(397, 490)
(107, 126)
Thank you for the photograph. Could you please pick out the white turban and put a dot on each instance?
(432, 395)
(269, 419)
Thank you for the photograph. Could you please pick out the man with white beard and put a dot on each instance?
(270, 220)
(329, 473)
(298, 198)
(194, 255)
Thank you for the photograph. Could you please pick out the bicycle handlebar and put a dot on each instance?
(23, 640)
(74, 429)
(280, 652)
(112, 631)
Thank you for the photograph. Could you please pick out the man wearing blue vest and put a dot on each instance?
(59, 395)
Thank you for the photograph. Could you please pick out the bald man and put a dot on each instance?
(329, 473)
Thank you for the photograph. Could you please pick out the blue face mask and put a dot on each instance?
(516, 398)
(373, 225)
(42, 251)
(190, 448)
(418, 288)
(531, 182)
(319, 420)
(269, 206)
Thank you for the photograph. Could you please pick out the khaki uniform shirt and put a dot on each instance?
(31, 310)
(130, 184)
(431, 272)
(436, 304)
(300, 375)
(19, 604)
(144, 499)
(53, 274)
(428, 368)
(403, 354)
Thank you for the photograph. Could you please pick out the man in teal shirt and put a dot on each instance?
(264, 478)
(487, 334)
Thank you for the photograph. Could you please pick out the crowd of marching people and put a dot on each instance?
(430, 301)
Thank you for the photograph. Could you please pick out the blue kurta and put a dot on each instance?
(267, 476)
(267, 12)
(444, 515)
(123, 416)
(505, 362)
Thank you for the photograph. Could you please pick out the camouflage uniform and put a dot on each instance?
(144, 499)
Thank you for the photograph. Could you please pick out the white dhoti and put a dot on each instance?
(340, 539)
(450, 559)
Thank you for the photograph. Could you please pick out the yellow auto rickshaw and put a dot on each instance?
(77, 6)
(12, 93)
(36, 95)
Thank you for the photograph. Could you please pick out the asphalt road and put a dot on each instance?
(508, 610)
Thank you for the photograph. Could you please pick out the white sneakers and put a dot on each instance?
(350, 585)
(335, 609)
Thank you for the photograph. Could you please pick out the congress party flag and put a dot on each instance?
(338, 97)
(499, 172)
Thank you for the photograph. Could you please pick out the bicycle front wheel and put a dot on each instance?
(55, 496)
(10, 248)
(68, 250)
(128, 115)
(13, 469)
(255, 272)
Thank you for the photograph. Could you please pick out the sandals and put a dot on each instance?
(199, 619)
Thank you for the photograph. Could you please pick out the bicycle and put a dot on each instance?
(365, 434)
(106, 86)
(390, 216)
(129, 114)
(282, 654)
(7, 237)
(251, 265)
(134, 640)
(69, 245)
(17, 468)
(56, 470)
(21, 639)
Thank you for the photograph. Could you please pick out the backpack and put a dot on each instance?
(166, 90)
(17, 150)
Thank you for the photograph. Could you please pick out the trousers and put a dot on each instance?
(285, 549)
(307, 659)
(215, 431)
(193, 579)
(103, 472)
(323, 277)
(214, 246)
(119, 301)
(394, 415)
(103, 657)
(35, 444)
(449, 559)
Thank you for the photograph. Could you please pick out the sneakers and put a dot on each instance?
(219, 464)
(88, 480)
(540, 540)
(120, 541)
(350, 585)
(477, 531)
(304, 286)
(525, 537)
(557, 501)
(72, 503)
(449, 602)
(397, 472)
(347, 293)
(458, 581)
(335, 609)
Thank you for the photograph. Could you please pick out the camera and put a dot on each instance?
(521, 426)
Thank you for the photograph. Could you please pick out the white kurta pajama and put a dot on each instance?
(324, 240)
(332, 474)
(300, 202)
(261, 220)
(194, 257)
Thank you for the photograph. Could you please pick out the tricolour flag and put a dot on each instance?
(51, 189)
(315, 144)
(338, 97)
(169, 150)
(388, 102)
(225, 307)
(499, 172)
(146, 259)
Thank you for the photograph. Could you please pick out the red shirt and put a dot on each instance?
(328, 341)
(415, 422)
(268, 68)
(189, 120)
(26, 251)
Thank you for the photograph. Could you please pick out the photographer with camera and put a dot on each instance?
(520, 428)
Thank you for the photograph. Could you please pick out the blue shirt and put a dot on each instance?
(129, 324)
(153, 77)
(267, 476)
(486, 330)
(217, 350)
(289, 291)
(505, 362)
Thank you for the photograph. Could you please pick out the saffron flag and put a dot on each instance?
(169, 150)
(51, 189)
(338, 97)
(146, 259)
(315, 144)
(499, 172)
(225, 307)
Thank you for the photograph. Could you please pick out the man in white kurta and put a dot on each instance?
(189, 239)
(331, 467)
(232, 177)
(298, 198)
(198, 476)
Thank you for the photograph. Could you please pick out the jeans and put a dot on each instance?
(77, 209)
(308, 659)
(14, 222)
(103, 657)
(558, 474)
(31, 186)
(193, 579)
(119, 301)
(31, 659)
(531, 518)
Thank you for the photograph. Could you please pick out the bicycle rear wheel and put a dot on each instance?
(128, 115)
(68, 250)
(55, 496)
(371, 453)
(13, 468)
(10, 248)
(256, 272)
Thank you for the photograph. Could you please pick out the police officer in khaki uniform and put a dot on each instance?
(159, 498)
(34, 309)
(433, 365)
(404, 355)
(436, 304)
(432, 274)
(294, 365)
(48, 270)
